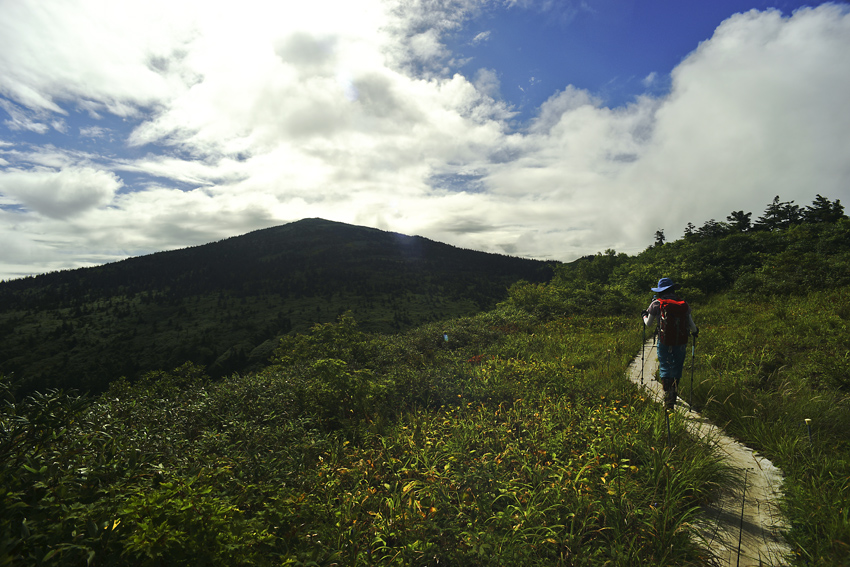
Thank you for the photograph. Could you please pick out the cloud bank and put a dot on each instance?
(228, 119)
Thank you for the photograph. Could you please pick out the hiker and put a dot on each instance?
(675, 323)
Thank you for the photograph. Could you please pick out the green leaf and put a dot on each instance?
(42, 470)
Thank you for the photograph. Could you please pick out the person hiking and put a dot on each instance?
(675, 323)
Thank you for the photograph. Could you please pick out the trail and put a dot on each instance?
(758, 531)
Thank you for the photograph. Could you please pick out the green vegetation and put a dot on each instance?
(514, 442)
(786, 361)
(510, 437)
(223, 305)
(773, 304)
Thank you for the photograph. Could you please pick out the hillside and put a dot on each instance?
(223, 304)
(772, 362)
(511, 437)
(769, 258)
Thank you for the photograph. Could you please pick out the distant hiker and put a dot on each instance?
(675, 323)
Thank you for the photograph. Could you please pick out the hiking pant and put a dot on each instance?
(671, 360)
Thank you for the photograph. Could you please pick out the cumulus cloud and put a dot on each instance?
(754, 112)
(561, 105)
(59, 194)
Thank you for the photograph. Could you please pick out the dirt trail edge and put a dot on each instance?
(758, 533)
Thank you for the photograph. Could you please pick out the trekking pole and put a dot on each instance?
(693, 356)
(654, 345)
(642, 349)
(743, 507)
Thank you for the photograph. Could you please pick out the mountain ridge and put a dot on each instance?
(216, 303)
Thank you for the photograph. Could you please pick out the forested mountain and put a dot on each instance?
(223, 304)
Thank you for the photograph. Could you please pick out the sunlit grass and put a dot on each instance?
(764, 369)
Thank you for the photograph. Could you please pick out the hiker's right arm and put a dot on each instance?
(691, 325)
(650, 314)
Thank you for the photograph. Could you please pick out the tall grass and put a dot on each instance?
(765, 367)
(514, 442)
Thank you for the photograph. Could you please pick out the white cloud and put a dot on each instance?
(93, 132)
(48, 156)
(59, 194)
(96, 51)
(481, 37)
(427, 46)
(487, 82)
(561, 105)
(754, 112)
(19, 119)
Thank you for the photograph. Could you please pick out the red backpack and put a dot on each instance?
(673, 323)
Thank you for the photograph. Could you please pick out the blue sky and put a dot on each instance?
(536, 128)
(610, 48)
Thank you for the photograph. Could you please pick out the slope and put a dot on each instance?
(222, 304)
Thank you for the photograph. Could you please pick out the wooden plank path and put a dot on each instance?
(743, 526)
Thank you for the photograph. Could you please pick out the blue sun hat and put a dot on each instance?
(664, 284)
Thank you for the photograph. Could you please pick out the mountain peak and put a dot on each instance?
(217, 303)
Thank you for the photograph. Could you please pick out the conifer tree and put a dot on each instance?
(823, 210)
(739, 221)
(779, 215)
(712, 229)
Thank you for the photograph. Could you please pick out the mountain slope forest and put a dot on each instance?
(506, 437)
(224, 305)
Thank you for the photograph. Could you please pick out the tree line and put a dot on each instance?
(777, 215)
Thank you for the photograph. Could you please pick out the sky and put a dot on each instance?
(535, 128)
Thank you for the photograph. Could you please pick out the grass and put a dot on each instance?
(764, 368)
(515, 442)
